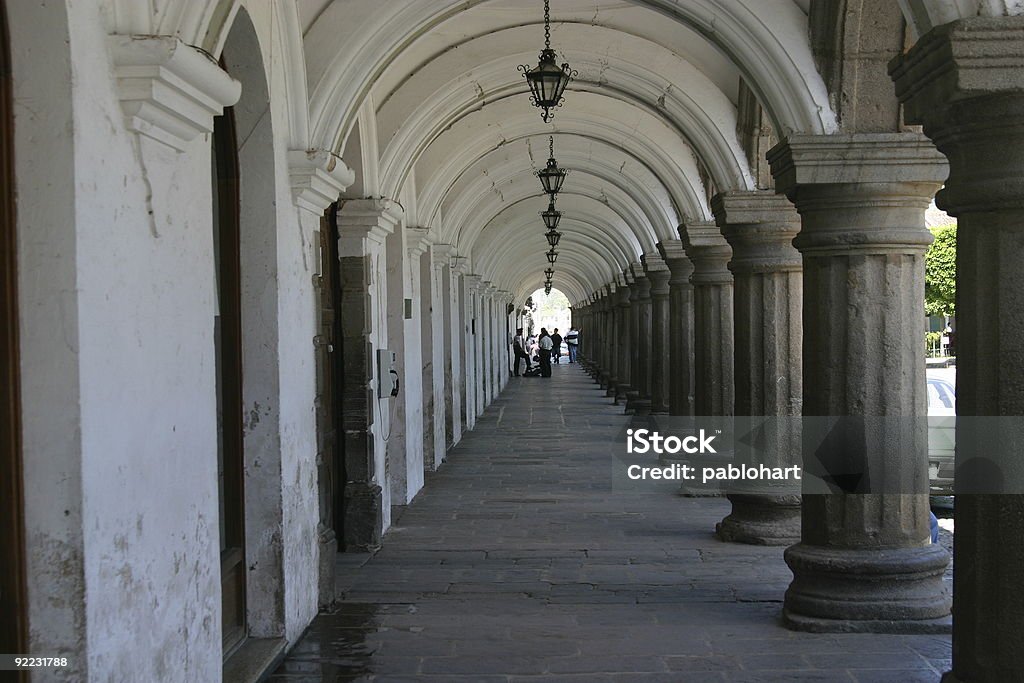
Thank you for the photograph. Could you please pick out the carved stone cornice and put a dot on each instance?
(169, 91)
(417, 241)
(362, 220)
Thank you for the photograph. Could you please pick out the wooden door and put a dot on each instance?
(228, 342)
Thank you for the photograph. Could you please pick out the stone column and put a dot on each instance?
(623, 339)
(472, 334)
(965, 83)
(864, 562)
(363, 227)
(658, 274)
(713, 311)
(680, 328)
(455, 358)
(760, 227)
(640, 356)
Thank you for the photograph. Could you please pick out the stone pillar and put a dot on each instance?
(472, 388)
(864, 562)
(363, 227)
(965, 84)
(713, 311)
(440, 329)
(640, 356)
(456, 338)
(767, 268)
(624, 339)
(658, 275)
(680, 328)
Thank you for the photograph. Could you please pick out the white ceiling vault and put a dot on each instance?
(422, 98)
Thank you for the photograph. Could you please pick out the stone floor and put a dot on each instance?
(518, 562)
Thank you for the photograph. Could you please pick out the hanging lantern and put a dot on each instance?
(547, 80)
(552, 256)
(552, 217)
(552, 177)
(553, 237)
(549, 273)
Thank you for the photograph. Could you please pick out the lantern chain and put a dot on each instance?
(547, 24)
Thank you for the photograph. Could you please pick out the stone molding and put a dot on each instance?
(657, 271)
(441, 255)
(318, 178)
(674, 255)
(169, 91)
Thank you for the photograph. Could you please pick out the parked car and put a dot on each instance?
(941, 436)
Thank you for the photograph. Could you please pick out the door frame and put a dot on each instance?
(13, 612)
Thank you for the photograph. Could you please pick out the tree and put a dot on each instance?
(940, 273)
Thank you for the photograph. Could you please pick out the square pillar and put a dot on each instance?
(680, 328)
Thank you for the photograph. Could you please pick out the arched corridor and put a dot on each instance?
(269, 271)
(519, 562)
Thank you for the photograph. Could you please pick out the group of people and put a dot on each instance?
(543, 350)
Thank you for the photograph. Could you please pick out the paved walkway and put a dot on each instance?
(518, 563)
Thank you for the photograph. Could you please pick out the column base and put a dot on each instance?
(621, 391)
(893, 590)
(328, 552)
(364, 517)
(761, 520)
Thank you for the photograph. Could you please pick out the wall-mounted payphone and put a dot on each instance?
(387, 373)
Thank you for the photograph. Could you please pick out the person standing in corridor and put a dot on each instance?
(544, 349)
(519, 349)
(572, 341)
(556, 346)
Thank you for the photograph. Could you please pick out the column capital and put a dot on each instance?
(708, 251)
(440, 255)
(417, 241)
(869, 159)
(459, 264)
(881, 183)
(679, 264)
(965, 59)
(760, 227)
(964, 83)
(473, 282)
(365, 219)
(658, 273)
(317, 177)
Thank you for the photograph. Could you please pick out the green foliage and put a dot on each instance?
(932, 341)
(940, 273)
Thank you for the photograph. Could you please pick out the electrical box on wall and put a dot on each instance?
(387, 373)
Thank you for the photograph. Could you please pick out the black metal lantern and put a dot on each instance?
(553, 237)
(551, 176)
(547, 80)
(552, 217)
(549, 273)
(552, 256)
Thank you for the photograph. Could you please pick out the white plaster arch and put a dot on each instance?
(471, 201)
(621, 210)
(468, 147)
(509, 239)
(665, 87)
(767, 39)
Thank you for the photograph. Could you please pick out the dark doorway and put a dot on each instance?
(228, 342)
(13, 618)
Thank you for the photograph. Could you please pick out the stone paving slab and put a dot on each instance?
(517, 563)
